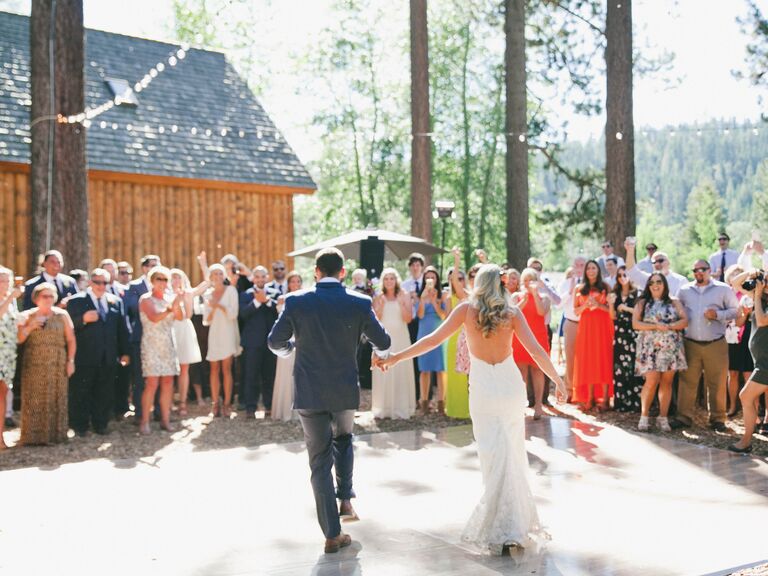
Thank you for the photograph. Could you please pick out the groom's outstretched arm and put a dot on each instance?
(279, 339)
(376, 334)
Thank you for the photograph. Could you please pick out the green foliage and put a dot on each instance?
(704, 219)
(755, 25)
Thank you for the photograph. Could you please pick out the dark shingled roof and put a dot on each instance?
(203, 91)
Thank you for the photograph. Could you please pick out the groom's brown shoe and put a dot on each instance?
(335, 544)
(347, 513)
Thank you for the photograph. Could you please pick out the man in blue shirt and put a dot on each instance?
(710, 305)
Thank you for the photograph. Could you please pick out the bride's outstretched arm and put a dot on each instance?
(430, 341)
(539, 355)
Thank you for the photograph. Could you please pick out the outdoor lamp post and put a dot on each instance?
(443, 210)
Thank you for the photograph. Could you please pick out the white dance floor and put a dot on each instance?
(615, 503)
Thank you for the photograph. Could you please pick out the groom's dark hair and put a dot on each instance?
(329, 261)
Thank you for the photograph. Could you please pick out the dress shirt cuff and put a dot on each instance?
(383, 354)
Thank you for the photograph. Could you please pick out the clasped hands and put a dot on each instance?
(383, 364)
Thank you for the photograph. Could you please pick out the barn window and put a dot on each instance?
(122, 89)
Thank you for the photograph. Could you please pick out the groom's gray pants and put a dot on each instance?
(328, 436)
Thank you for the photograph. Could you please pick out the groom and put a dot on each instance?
(326, 323)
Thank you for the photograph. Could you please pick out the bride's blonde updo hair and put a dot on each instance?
(489, 299)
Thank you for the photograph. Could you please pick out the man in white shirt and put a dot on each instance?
(412, 286)
(607, 253)
(723, 258)
(660, 263)
(53, 262)
(571, 326)
(645, 264)
(611, 269)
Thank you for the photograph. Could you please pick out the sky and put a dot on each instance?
(703, 34)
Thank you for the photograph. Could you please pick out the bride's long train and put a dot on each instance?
(506, 514)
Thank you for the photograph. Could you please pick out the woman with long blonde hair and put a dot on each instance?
(506, 514)
(187, 348)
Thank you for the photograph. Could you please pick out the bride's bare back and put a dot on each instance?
(493, 349)
(498, 345)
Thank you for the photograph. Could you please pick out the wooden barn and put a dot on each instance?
(190, 163)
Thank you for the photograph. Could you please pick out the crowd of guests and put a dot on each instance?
(638, 337)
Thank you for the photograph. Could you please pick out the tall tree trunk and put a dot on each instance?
(516, 129)
(467, 160)
(619, 126)
(58, 176)
(421, 187)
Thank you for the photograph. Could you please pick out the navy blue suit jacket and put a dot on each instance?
(136, 289)
(255, 323)
(326, 323)
(101, 341)
(68, 284)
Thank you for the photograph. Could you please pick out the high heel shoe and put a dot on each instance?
(215, 410)
(167, 426)
(737, 450)
(144, 429)
(227, 411)
(183, 413)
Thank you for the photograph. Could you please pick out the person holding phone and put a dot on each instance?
(432, 309)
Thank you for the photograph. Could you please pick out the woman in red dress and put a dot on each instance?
(593, 359)
(534, 307)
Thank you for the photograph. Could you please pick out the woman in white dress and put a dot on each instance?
(282, 394)
(158, 309)
(506, 514)
(393, 392)
(187, 347)
(220, 314)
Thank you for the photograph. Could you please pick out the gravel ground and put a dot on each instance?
(196, 432)
(201, 432)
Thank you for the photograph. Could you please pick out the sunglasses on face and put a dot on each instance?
(655, 282)
(98, 282)
(606, 245)
(46, 296)
(123, 272)
(722, 239)
(700, 270)
(278, 268)
(161, 279)
(659, 261)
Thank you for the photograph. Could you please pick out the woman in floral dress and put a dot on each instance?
(660, 320)
(626, 384)
(8, 318)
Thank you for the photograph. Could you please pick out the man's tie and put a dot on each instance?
(417, 286)
(722, 268)
(102, 310)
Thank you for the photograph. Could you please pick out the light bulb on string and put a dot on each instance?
(160, 66)
(193, 130)
(223, 132)
(102, 124)
(129, 127)
(115, 126)
(619, 136)
(241, 134)
(174, 128)
(521, 137)
(172, 61)
(153, 72)
(161, 130)
(208, 132)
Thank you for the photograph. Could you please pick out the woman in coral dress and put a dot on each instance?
(593, 359)
(534, 307)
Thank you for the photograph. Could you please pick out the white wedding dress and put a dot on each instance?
(506, 514)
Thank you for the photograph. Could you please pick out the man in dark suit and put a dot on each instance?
(258, 312)
(102, 345)
(136, 289)
(326, 323)
(66, 286)
(279, 284)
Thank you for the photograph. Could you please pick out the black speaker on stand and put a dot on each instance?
(372, 256)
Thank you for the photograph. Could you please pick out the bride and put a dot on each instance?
(506, 514)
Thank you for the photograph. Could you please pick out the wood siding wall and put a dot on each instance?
(130, 218)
